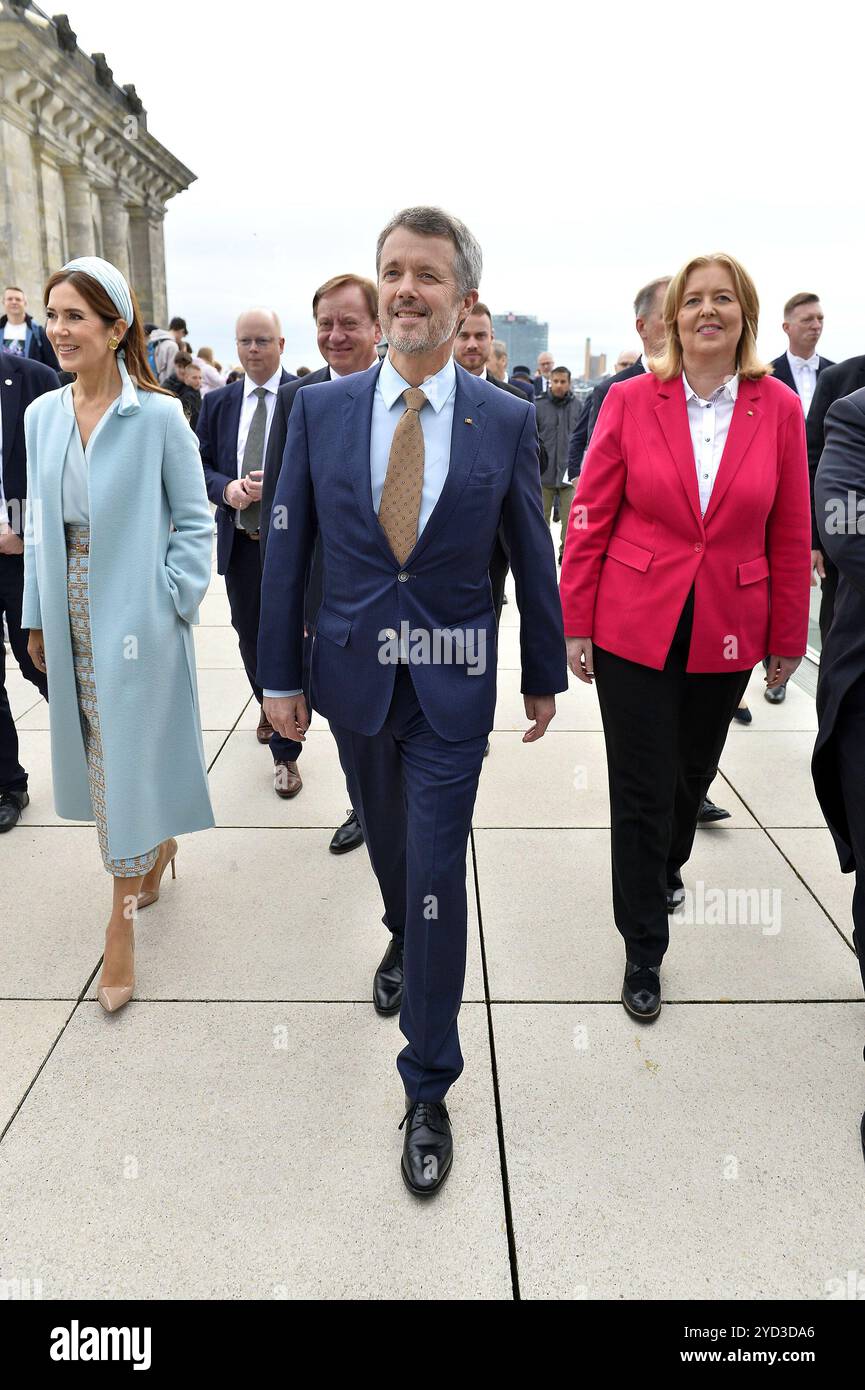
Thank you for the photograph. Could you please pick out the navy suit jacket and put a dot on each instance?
(21, 381)
(216, 428)
(444, 586)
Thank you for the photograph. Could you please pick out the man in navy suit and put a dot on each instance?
(21, 381)
(233, 428)
(345, 311)
(404, 473)
(800, 368)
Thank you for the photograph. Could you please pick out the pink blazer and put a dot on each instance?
(637, 542)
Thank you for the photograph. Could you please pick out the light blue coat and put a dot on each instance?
(146, 582)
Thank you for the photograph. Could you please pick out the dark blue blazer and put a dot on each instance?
(21, 381)
(216, 428)
(325, 488)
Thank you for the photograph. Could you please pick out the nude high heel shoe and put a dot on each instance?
(113, 997)
(150, 896)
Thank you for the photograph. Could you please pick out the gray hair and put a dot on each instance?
(499, 347)
(468, 261)
(645, 299)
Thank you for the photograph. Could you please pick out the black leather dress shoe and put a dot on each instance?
(428, 1147)
(11, 806)
(641, 991)
(743, 716)
(348, 836)
(777, 695)
(388, 982)
(709, 812)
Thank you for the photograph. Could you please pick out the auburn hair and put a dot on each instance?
(132, 342)
(749, 365)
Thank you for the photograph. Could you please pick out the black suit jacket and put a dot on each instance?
(840, 480)
(782, 370)
(589, 416)
(837, 381)
(21, 381)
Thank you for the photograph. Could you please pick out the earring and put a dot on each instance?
(114, 344)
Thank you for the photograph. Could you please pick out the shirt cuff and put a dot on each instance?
(280, 694)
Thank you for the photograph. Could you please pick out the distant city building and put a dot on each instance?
(524, 336)
(594, 366)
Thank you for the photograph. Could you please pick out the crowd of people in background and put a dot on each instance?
(399, 484)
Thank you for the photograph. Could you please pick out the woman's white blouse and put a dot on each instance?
(76, 502)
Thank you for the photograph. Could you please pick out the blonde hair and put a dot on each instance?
(669, 363)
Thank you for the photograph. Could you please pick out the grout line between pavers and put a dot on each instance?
(500, 1128)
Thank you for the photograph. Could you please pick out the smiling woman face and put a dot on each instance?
(76, 332)
(710, 319)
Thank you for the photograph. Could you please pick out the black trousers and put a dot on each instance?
(12, 774)
(828, 590)
(850, 746)
(665, 732)
(243, 586)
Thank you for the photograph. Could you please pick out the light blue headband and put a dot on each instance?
(112, 280)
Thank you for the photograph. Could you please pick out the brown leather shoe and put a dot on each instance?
(286, 780)
(264, 730)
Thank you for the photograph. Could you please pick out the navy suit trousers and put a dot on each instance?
(12, 774)
(414, 794)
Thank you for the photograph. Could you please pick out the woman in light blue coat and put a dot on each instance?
(117, 560)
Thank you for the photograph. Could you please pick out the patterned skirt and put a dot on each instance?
(77, 567)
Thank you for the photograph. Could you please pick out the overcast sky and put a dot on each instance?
(589, 151)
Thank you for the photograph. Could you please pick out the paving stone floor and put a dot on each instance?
(233, 1132)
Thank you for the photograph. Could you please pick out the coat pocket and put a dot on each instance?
(750, 571)
(629, 554)
(332, 626)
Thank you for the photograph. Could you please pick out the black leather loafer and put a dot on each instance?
(428, 1147)
(348, 836)
(388, 982)
(743, 716)
(709, 812)
(12, 803)
(641, 991)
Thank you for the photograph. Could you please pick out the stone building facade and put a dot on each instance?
(79, 173)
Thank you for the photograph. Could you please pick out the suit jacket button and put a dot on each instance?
(698, 547)
(402, 577)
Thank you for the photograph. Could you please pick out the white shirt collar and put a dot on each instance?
(273, 385)
(812, 362)
(437, 389)
(337, 376)
(731, 387)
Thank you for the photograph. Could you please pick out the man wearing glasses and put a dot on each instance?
(233, 429)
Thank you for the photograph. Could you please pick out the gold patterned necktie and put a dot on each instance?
(399, 508)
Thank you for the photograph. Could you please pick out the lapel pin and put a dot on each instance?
(750, 412)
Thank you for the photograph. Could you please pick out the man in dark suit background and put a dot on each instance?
(472, 349)
(649, 315)
(543, 375)
(833, 384)
(800, 368)
(232, 430)
(404, 473)
(345, 311)
(21, 381)
(838, 764)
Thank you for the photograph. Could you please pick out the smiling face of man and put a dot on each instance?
(346, 334)
(420, 303)
(473, 343)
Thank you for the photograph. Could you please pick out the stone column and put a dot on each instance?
(148, 262)
(79, 213)
(115, 228)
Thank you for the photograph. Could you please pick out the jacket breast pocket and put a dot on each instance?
(484, 477)
(750, 571)
(629, 554)
(332, 626)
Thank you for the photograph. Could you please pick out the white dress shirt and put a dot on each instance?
(436, 420)
(709, 422)
(336, 376)
(247, 410)
(804, 371)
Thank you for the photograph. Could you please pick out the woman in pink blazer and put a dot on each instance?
(687, 562)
